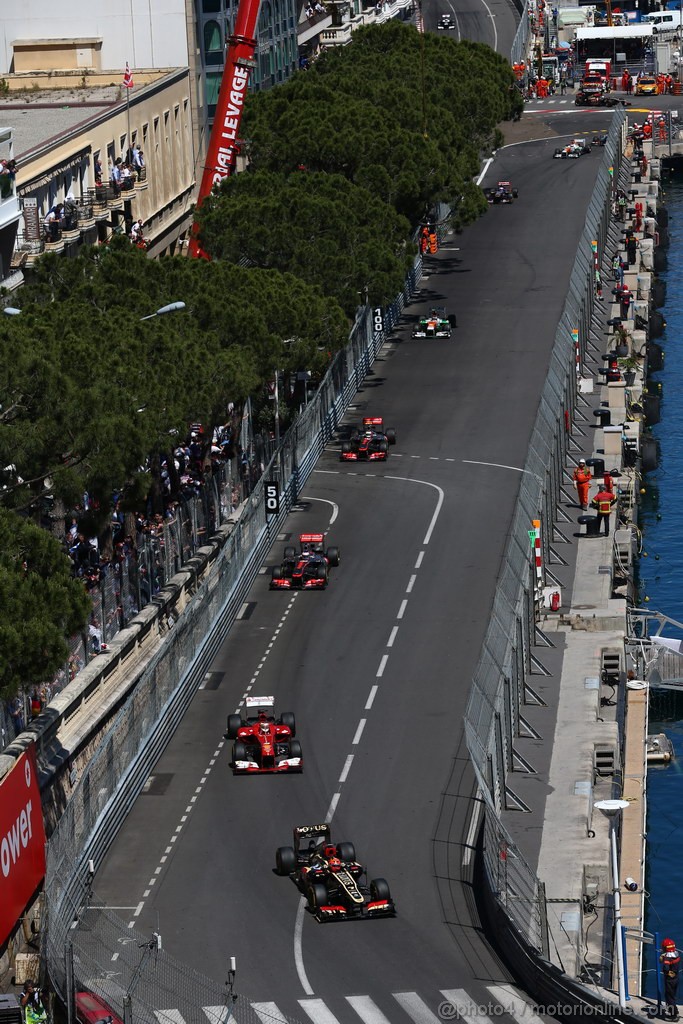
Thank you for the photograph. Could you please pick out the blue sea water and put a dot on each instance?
(661, 589)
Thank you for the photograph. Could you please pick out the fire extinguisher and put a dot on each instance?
(639, 216)
(555, 601)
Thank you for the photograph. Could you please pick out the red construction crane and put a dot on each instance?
(222, 149)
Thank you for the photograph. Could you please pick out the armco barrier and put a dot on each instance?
(80, 937)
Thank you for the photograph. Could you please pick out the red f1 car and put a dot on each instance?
(370, 443)
(309, 568)
(330, 877)
(263, 743)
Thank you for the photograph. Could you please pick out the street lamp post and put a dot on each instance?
(172, 307)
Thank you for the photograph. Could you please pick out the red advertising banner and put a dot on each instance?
(22, 841)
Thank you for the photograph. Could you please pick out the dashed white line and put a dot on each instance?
(138, 909)
(347, 767)
(371, 698)
(115, 956)
(359, 732)
(411, 584)
(402, 609)
(392, 637)
(332, 808)
(382, 665)
(418, 561)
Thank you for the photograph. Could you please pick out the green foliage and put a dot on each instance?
(324, 229)
(41, 604)
(90, 395)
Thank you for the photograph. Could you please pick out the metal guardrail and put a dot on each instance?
(80, 938)
(499, 691)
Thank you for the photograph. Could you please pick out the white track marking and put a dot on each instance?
(472, 833)
(242, 610)
(416, 1008)
(514, 1004)
(392, 636)
(347, 767)
(298, 954)
(418, 561)
(411, 584)
(465, 1005)
(401, 611)
(318, 1011)
(382, 665)
(371, 698)
(332, 808)
(216, 1014)
(484, 170)
(169, 1016)
(367, 1010)
(268, 1013)
(335, 506)
(359, 732)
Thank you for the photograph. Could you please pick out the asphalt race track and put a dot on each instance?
(493, 22)
(377, 667)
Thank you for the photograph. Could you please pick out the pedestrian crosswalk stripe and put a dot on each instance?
(169, 1016)
(416, 1009)
(513, 1002)
(217, 1014)
(268, 1013)
(465, 1005)
(367, 1010)
(318, 1011)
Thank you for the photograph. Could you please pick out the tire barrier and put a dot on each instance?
(662, 217)
(659, 260)
(664, 239)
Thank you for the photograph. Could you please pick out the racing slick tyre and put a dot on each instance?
(453, 320)
(347, 851)
(316, 895)
(383, 447)
(287, 718)
(239, 751)
(321, 573)
(346, 447)
(379, 889)
(285, 860)
(290, 554)
(275, 574)
(234, 724)
(391, 436)
(515, 193)
(333, 556)
(294, 748)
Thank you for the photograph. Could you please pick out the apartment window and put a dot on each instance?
(213, 43)
(213, 86)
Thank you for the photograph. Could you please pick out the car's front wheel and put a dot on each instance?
(317, 896)
(285, 860)
(379, 889)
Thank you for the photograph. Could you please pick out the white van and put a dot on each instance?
(663, 21)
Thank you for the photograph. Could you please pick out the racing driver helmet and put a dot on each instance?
(334, 864)
(264, 727)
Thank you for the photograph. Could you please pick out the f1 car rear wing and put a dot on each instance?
(255, 703)
(372, 421)
(311, 538)
(303, 833)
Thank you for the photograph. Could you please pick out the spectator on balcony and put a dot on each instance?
(70, 215)
(139, 162)
(97, 170)
(127, 178)
(52, 223)
(115, 175)
(7, 176)
(137, 235)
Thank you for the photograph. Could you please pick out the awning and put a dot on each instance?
(39, 180)
(572, 16)
(616, 32)
(669, 643)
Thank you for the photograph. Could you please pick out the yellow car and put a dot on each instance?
(646, 86)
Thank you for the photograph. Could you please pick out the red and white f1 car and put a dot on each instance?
(263, 743)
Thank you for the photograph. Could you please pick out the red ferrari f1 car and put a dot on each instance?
(370, 443)
(307, 569)
(330, 877)
(263, 743)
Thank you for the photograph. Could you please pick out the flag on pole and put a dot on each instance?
(128, 82)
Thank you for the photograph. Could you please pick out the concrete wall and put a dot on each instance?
(146, 33)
